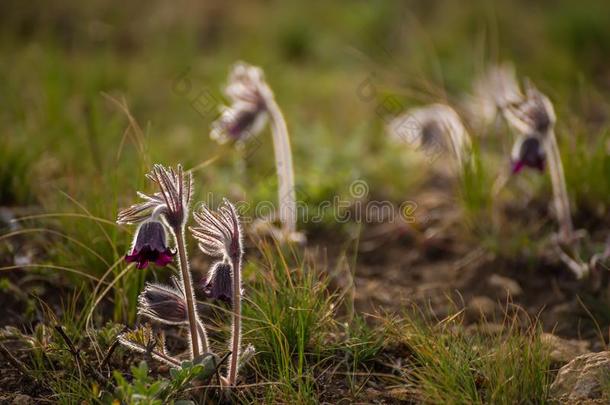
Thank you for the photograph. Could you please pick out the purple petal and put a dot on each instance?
(219, 286)
(517, 167)
(165, 258)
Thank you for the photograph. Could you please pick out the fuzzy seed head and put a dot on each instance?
(435, 128)
(163, 303)
(171, 202)
(219, 232)
(533, 114)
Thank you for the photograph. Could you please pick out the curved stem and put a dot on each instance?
(170, 361)
(560, 193)
(283, 165)
(236, 327)
(187, 287)
(203, 336)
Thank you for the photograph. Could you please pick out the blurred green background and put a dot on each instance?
(58, 57)
(64, 61)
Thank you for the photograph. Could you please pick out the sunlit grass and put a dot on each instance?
(452, 365)
(287, 311)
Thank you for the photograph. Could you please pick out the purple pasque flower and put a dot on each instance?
(219, 235)
(434, 128)
(239, 122)
(534, 113)
(150, 245)
(163, 303)
(528, 151)
(170, 203)
(247, 114)
(218, 232)
(218, 283)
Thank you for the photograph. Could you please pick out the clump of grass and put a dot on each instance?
(71, 368)
(363, 342)
(452, 365)
(286, 315)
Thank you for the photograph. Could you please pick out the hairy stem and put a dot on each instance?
(236, 327)
(203, 336)
(283, 165)
(137, 347)
(170, 361)
(560, 193)
(187, 287)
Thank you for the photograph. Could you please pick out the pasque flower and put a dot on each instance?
(252, 103)
(169, 204)
(247, 114)
(528, 151)
(150, 245)
(219, 232)
(163, 303)
(532, 115)
(435, 128)
(218, 283)
(219, 235)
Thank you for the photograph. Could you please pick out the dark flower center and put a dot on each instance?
(150, 246)
(531, 155)
(148, 254)
(219, 286)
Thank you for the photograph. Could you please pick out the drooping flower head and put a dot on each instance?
(150, 245)
(219, 235)
(499, 90)
(218, 232)
(528, 151)
(247, 114)
(218, 283)
(534, 113)
(171, 202)
(435, 129)
(530, 113)
(163, 303)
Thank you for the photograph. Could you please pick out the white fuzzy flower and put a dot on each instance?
(436, 129)
(247, 114)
